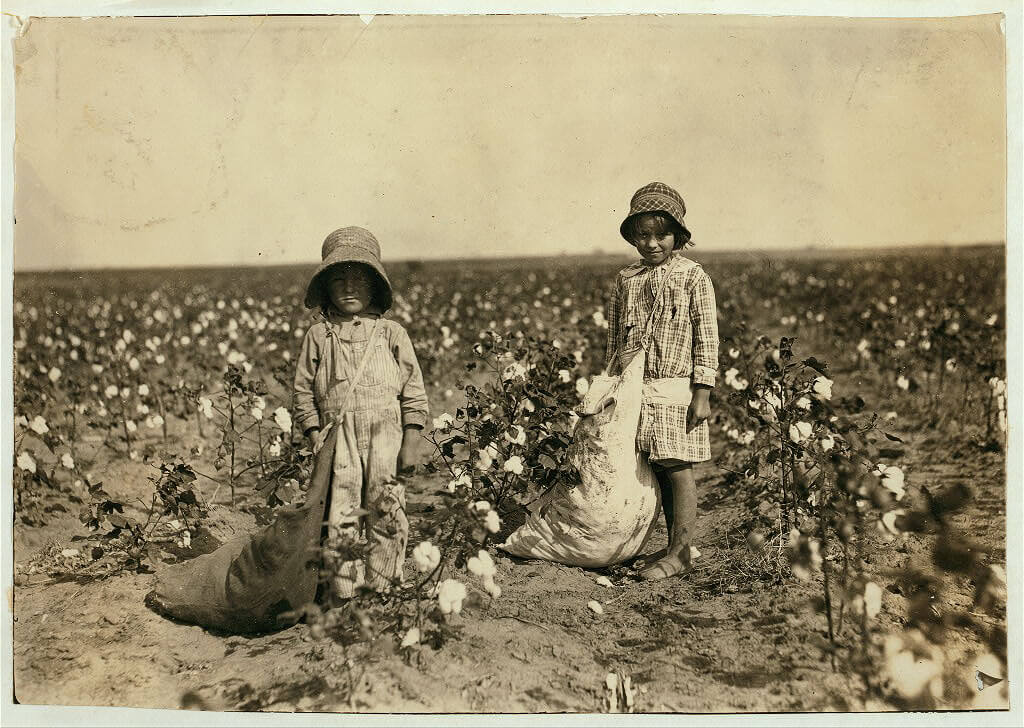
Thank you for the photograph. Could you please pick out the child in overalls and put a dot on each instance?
(666, 304)
(353, 351)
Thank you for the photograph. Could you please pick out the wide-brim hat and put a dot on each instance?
(656, 197)
(349, 245)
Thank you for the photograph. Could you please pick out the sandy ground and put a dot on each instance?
(715, 641)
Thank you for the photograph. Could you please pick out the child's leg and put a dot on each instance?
(667, 499)
(387, 527)
(388, 533)
(346, 493)
(679, 503)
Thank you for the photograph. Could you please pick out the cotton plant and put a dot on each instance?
(806, 467)
(844, 493)
(490, 451)
(503, 441)
(426, 606)
(47, 457)
(240, 412)
(446, 564)
(119, 539)
(509, 438)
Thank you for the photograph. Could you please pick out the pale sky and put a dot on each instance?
(212, 141)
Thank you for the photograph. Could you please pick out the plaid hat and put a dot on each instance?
(348, 245)
(656, 197)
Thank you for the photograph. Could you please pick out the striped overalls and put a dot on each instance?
(388, 395)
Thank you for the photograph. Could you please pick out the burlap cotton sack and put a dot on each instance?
(608, 516)
(254, 583)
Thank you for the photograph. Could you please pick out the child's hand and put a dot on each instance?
(699, 409)
(316, 439)
(407, 453)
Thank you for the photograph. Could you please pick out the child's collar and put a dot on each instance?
(642, 266)
(337, 317)
(353, 327)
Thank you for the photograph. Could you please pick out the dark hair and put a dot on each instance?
(377, 296)
(663, 223)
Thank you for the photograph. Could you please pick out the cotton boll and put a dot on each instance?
(822, 388)
(412, 637)
(514, 465)
(426, 557)
(26, 463)
(800, 431)
(450, 595)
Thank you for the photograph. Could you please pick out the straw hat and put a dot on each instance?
(349, 245)
(656, 197)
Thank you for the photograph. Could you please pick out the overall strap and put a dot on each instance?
(362, 365)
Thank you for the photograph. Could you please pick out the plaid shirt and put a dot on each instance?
(684, 332)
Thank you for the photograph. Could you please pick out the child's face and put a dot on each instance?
(651, 238)
(349, 288)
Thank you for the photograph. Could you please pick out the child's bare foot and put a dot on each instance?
(670, 565)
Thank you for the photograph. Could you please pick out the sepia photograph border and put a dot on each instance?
(17, 14)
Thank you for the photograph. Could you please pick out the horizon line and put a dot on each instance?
(885, 248)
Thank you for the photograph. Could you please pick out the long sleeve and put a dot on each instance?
(704, 318)
(413, 397)
(614, 327)
(303, 401)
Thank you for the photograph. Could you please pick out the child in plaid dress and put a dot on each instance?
(674, 297)
(352, 350)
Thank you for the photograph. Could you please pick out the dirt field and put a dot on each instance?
(738, 634)
(712, 642)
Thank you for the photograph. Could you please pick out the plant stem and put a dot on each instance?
(246, 469)
(823, 534)
(784, 505)
(988, 414)
(208, 477)
(231, 424)
(259, 438)
(124, 415)
(792, 490)
(163, 412)
(845, 578)
(127, 435)
(74, 430)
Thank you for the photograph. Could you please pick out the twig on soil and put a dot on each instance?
(615, 599)
(527, 621)
(668, 662)
(69, 601)
(44, 582)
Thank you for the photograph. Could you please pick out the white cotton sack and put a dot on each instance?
(607, 517)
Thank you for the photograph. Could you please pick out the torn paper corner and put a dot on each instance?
(20, 22)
